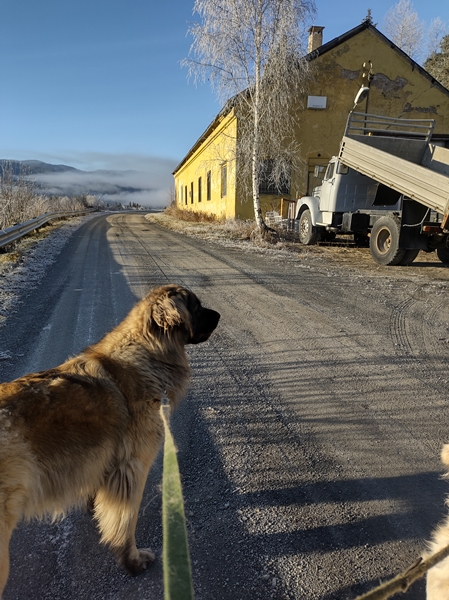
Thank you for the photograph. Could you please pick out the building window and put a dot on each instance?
(266, 182)
(199, 189)
(208, 185)
(224, 180)
(191, 192)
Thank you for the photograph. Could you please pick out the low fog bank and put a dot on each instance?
(123, 179)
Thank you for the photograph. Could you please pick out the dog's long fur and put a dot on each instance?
(88, 431)
(438, 576)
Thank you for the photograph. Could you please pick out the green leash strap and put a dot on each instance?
(175, 548)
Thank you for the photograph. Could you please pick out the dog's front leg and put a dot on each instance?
(5, 536)
(116, 509)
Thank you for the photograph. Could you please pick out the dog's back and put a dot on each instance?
(89, 430)
(53, 424)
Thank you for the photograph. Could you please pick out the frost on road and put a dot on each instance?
(18, 278)
(309, 441)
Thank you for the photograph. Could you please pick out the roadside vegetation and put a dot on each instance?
(190, 215)
(203, 225)
(21, 200)
(232, 232)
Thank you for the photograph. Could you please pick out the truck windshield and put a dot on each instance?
(329, 171)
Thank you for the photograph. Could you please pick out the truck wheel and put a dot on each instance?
(384, 242)
(443, 255)
(409, 257)
(307, 232)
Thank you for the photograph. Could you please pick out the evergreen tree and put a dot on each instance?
(438, 63)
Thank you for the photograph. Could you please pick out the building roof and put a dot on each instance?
(341, 39)
(223, 112)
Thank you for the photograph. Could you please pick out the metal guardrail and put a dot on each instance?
(7, 236)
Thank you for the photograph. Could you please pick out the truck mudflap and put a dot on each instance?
(358, 222)
(412, 225)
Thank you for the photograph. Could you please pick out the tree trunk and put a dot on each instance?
(255, 150)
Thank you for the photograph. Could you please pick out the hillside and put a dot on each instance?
(63, 180)
(33, 167)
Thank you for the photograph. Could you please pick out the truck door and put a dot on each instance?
(313, 180)
(327, 189)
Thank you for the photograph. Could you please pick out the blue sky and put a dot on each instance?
(98, 84)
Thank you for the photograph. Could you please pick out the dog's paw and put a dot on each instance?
(137, 565)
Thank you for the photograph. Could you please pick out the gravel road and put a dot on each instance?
(309, 441)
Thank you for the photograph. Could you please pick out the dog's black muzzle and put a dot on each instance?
(206, 324)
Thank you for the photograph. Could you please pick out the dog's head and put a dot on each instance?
(175, 309)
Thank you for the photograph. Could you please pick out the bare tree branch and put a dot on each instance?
(251, 52)
(403, 26)
(437, 30)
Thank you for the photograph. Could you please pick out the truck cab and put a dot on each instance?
(389, 185)
(342, 203)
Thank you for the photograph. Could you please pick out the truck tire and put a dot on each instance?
(306, 231)
(384, 242)
(409, 257)
(443, 255)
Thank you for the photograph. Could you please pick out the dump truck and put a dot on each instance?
(388, 187)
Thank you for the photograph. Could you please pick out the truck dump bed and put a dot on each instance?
(398, 153)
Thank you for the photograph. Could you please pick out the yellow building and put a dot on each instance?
(205, 180)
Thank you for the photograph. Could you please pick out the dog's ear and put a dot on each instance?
(170, 311)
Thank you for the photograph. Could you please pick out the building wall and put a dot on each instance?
(397, 89)
(213, 159)
(244, 208)
(244, 205)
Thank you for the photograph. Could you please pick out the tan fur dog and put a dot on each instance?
(438, 576)
(89, 430)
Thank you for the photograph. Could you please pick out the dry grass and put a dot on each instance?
(201, 225)
(13, 253)
(232, 233)
(190, 216)
(10, 257)
(209, 227)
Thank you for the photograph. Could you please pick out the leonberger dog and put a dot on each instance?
(87, 432)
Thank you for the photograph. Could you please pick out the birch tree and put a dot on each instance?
(437, 31)
(403, 26)
(252, 53)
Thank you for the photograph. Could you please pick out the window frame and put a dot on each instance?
(265, 187)
(209, 185)
(224, 180)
